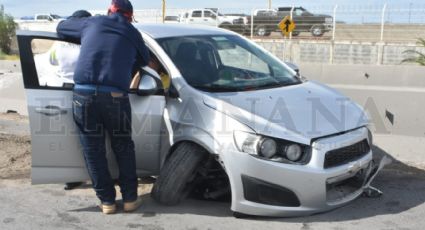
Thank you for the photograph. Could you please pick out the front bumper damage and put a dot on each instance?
(266, 188)
(356, 185)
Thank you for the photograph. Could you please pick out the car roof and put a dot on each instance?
(153, 30)
(179, 30)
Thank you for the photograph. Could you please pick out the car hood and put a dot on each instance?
(297, 113)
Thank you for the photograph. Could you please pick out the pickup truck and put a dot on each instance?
(267, 22)
(43, 18)
(211, 17)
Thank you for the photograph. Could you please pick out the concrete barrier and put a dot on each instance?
(339, 52)
(394, 98)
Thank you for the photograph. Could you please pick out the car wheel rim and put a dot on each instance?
(317, 31)
(261, 31)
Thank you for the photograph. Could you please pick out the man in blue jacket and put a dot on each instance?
(111, 52)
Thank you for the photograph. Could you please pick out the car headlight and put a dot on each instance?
(267, 147)
(328, 20)
(370, 137)
(293, 152)
(271, 148)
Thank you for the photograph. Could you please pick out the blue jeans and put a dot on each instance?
(98, 113)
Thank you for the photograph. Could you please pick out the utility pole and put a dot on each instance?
(270, 4)
(163, 11)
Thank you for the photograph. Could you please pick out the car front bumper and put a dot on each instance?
(267, 188)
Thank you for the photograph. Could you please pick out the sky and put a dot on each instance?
(19, 8)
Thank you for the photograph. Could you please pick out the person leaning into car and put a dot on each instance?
(112, 49)
(156, 65)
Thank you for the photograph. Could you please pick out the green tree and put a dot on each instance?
(7, 31)
(416, 56)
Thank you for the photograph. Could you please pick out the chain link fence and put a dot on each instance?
(336, 34)
(372, 23)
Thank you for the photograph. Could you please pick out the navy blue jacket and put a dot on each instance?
(111, 49)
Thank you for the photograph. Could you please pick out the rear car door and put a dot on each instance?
(196, 17)
(56, 150)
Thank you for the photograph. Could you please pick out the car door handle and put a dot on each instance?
(50, 110)
(205, 19)
(191, 20)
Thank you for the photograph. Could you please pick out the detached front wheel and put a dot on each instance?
(173, 183)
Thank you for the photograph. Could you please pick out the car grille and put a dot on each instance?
(346, 154)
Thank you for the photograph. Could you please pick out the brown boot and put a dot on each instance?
(108, 208)
(132, 206)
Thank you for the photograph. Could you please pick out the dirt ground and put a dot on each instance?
(15, 156)
(15, 150)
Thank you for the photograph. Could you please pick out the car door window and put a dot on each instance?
(208, 14)
(197, 14)
(42, 17)
(55, 62)
(298, 12)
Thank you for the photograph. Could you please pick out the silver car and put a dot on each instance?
(235, 122)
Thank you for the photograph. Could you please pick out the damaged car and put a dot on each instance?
(236, 123)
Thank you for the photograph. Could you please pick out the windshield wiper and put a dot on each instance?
(275, 85)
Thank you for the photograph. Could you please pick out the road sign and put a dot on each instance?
(286, 25)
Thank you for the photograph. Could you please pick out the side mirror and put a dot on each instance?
(150, 82)
(293, 67)
(172, 92)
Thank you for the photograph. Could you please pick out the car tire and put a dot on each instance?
(261, 30)
(178, 171)
(317, 30)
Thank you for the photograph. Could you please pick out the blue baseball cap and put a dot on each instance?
(81, 14)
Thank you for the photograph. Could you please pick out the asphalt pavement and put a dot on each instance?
(26, 206)
(50, 207)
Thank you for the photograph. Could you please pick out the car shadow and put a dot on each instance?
(150, 208)
(403, 187)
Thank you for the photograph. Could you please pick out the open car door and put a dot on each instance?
(56, 150)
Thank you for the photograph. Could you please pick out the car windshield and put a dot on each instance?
(226, 63)
(55, 16)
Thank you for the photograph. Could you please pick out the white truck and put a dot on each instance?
(208, 17)
(39, 22)
(43, 18)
